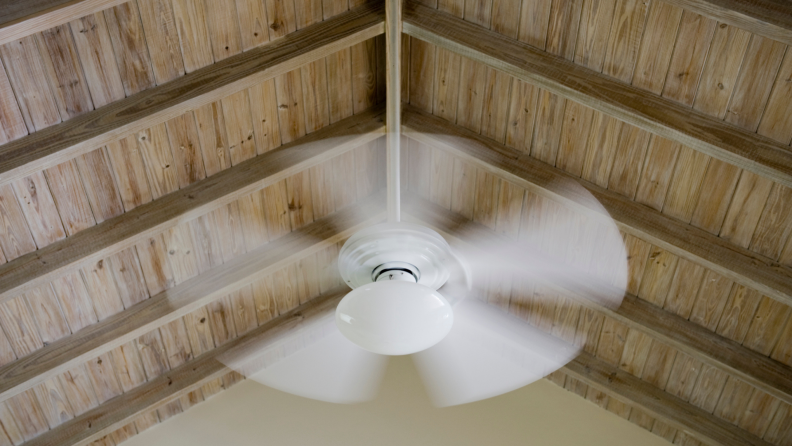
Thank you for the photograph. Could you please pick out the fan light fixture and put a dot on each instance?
(395, 270)
(394, 317)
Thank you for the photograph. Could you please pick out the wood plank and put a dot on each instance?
(20, 19)
(731, 261)
(12, 125)
(657, 46)
(776, 118)
(130, 172)
(100, 184)
(51, 147)
(197, 199)
(239, 127)
(644, 110)
(699, 343)
(693, 42)
(629, 19)
(25, 70)
(186, 146)
(534, 20)
(64, 71)
(177, 382)
(129, 43)
(39, 208)
(162, 39)
(767, 18)
(721, 69)
(69, 196)
(657, 403)
(223, 23)
(757, 75)
(182, 299)
(190, 20)
(154, 145)
(96, 55)
(252, 23)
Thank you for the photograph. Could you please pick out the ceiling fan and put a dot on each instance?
(413, 294)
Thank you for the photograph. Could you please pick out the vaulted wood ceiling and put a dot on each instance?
(165, 193)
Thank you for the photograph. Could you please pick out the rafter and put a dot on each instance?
(739, 264)
(692, 339)
(659, 404)
(64, 141)
(647, 111)
(169, 386)
(121, 410)
(69, 254)
(171, 304)
(768, 18)
(22, 18)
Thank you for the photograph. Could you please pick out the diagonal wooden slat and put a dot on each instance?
(692, 339)
(640, 108)
(39, 267)
(171, 304)
(179, 381)
(659, 404)
(768, 18)
(120, 410)
(59, 143)
(739, 264)
(20, 18)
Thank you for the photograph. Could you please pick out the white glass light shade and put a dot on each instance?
(394, 318)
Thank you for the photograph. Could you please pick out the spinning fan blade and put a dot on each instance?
(575, 251)
(487, 353)
(313, 361)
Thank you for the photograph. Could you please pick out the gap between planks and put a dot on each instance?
(171, 304)
(739, 264)
(86, 132)
(117, 412)
(645, 110)
(39, 267)
(692, 339)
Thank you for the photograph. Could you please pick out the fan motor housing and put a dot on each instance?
(414, 250)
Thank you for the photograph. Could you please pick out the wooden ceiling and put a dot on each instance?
(165, 192)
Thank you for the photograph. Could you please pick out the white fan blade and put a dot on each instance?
(488, 353)
(313, 361)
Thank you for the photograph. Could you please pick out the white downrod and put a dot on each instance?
(393, 31)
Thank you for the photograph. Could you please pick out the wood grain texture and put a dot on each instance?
(732, 261)
(176, 382)
(637, 107)
(185, 298)
(129, 44)
(21, 19)
(637, 315)
(197, 199)
(25, 70)
(137, 112)
(657, 403)
(768, 18)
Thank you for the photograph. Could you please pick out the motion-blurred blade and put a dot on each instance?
(488, 353)
(568, 244)
(313, 361)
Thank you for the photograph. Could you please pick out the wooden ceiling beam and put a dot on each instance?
(84, 133)
(684, 240)
(97, 242)
(20, 18)
(659, 404)
(756, 369)
(632, 105)
(768, 18)
(123, 409)
(169, 305)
